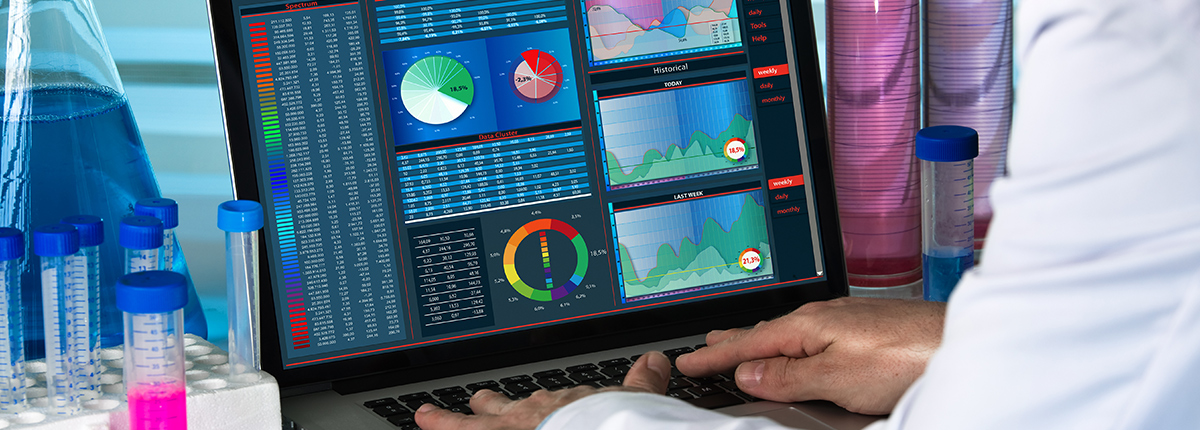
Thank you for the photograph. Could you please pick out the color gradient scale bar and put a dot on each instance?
(546, 261)
(281, 202)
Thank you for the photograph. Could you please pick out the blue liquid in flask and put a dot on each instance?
(86, 157)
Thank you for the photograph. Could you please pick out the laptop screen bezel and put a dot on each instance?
(551, 341)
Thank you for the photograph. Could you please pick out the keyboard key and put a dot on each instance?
(545, 373)
(461, 409)
(715, 379)
(380, 402)
(410, 426)
(675, 373)
(582, 367)
(697, 347)
(519, 396)
(520, 387)
(716, 401)
(593, 384)
(615, 371)
(635, 358)
(680, 383)
(746, 397)
(402, 419)
(448, 390)
(491, 385)
(729, 386)
(412, 405)
(615, 362)
(680, 394)
(554, 382)
(518, 378)
(672, 353)
(389, 410)
(456, 398)
(414, 396)
(588, 375)
(610, 382)
(705, 391)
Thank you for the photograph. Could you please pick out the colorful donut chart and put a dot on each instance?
(540, 227)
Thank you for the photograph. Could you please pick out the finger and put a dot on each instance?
(488, 402)
(762, 341)
(650, 373)
(786, 379)
(717, 336)
(430, 417)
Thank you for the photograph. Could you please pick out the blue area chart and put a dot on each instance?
(630, 30)
(500, 69)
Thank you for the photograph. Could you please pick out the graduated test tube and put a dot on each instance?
(56, 244)
(947, 206)
(167, 211)
(241, 220)
(87, 298)
(152, 302)
(12, 332)
(142, 238)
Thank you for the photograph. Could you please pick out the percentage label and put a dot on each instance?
(458, 88)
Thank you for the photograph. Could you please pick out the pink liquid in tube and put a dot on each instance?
(158, 408)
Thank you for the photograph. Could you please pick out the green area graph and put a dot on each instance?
(702, 154)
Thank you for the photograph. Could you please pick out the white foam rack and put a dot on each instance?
(215, 401)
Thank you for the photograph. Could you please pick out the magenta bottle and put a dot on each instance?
(873, 53)
(969, 82)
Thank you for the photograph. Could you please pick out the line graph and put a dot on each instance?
(677, 134)
(691, 245)
(630, 30)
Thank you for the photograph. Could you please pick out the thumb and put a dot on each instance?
(784, 379)
(650, 373)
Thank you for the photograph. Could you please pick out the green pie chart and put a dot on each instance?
(437, 89)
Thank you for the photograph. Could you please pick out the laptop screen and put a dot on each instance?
(435, 171)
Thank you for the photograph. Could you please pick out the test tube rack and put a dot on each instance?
(215, 400)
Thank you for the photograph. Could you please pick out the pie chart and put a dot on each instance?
(537, 77)
(437, 89)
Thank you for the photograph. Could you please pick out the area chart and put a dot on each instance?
(673, 134)
(630, 30)
(692, 245)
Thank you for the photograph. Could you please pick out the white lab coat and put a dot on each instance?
(1086, 314)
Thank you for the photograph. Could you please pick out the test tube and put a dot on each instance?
(56, 244)
(87, 298)
(167, 211)
(947, 207)
(142, 238)
(241, 220)
(152, 302)
(12, 345)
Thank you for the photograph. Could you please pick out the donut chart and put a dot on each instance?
(538, 229)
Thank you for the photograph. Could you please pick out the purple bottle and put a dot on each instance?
(969, 82)
(873, 53)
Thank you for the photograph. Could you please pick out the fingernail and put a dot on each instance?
(426, 408)
(656, 367)
(750, 376)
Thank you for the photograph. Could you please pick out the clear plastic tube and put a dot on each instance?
(874, 112)
(154, 374)
(85, 269)
(969, 82)
(12, 343)
(948, 224)
(241, 272)
(58, 284)
(141, 260)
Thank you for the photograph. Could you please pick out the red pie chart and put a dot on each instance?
(537, 77)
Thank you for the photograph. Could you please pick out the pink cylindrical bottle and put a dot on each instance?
(873, 53)
(969, 82)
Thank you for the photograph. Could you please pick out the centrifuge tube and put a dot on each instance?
(153, 302)
(241, 220)
(56, 245)
(142, 238)
(947, 208)
(87, 298)
(12, 334)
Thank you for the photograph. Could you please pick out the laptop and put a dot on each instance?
(523, 194)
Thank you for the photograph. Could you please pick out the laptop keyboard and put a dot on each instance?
(713, 392)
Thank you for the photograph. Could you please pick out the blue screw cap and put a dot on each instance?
(141, 232)
(159, 207)
(152, 292)
(91, 229)
(240, 216)
(55, 240)
(947, 143)
(12, 244)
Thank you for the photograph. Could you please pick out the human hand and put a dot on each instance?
(494, 411)
(859, 353)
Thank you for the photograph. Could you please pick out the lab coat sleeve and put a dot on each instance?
(624, 410)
